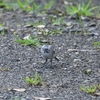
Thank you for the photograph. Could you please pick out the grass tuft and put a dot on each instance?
(90, 90)
(97, 44)
(31, 41)
(80, 10)
(36, 80)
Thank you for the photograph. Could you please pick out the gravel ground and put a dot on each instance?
(64, 79)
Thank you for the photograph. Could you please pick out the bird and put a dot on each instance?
(48, 52)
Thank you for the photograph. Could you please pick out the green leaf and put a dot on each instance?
(87, 6)
(83, 88)
(49, 4)
(20, 4)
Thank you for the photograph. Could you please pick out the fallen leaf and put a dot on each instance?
(12, 30)
(27, 37)
(18, 90)
(44, 41)
(28, 26)
(85, 18)
(40, 98)
(97, 94)
(67, 3)
(92, 24)
(84, 50)
(40, 26)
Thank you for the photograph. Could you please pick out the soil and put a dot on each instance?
(74, 48)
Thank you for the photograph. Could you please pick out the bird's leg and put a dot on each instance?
(45, 61)
(51, 62)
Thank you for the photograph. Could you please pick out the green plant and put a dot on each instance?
(3, 32)
(24, 6)
(8, 6)
(5, 5)
(36, 80)
(18, 99)
(4, 69)
(36, 8)
(90, 90)
(57, 21)
(21, 5)
(29, 6)
(97, 44)
(98, 86)
(81, 9)
(2, 29)
(49, 4)
(79, 20)
(31, 41)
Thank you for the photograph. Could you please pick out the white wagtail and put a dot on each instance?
(48, 53)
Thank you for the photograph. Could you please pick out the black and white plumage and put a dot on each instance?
(48, 53)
